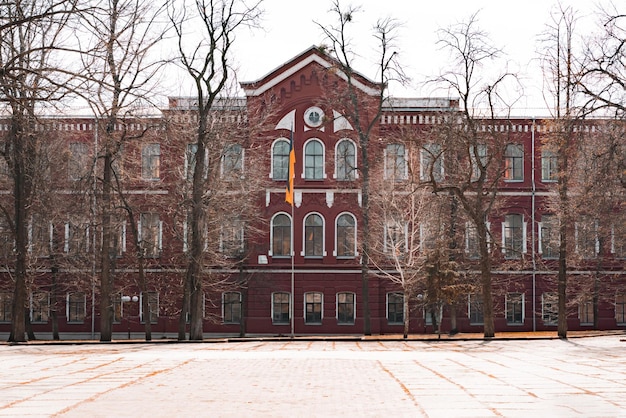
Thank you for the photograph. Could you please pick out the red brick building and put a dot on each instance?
(307, 281)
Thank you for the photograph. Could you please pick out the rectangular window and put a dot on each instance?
(395, 238)
(514, 308)
(231, 307)
(7, 244)
(153, 307)
(618, 237)
(471, 241)
(75, 307)
(395, 308)
(549, 166)
(77, 236)
(550, 308)
(313, 308)
(232, 162)
(39, 307)
(150, 230)
(620, 308)
(190, 161)
(40, 236)
(232, 237)
(6, 306)
(549, 236)
(345, 308)
(346, 236)
(395, 162)
(151, 161)
(78, 163)
(586, 237)
(585, 312)
(431, 163)
(514, 163)
(513, 236)
(478, 159)
(281, 308)
(475, 309)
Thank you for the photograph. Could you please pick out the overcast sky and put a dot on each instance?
(289, 27)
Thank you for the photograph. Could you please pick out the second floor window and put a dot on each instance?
(232, 162)
(395, 240)
(549, 167)
(345, 160)
(232, 237)
(514, 163)
(586, 234)
(281, 235)
(549, 236)
(431, 163)
(150, 161)
(314, 160)
(280, 160)
(313, 236)
(346, 236)
(77, 237)
(395, 162)
(150, 234)
(78, 161)
(513, 236)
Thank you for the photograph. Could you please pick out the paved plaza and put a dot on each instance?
(583, 377)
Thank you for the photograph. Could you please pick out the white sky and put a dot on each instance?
(513, 25)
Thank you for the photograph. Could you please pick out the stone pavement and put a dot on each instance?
(583, 377)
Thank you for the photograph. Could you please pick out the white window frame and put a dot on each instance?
(549, 171)
(274, 144)
(303, 252)
(67, 308)
(242, 156)
(291, 230)
(386, 158)
(432, 154)
(303, 175)
(188, 173)
(354, 173)
(524, 235)
(510, 158)
(321, 303)
(290, 305)
(224, 306)
(404, 227)
(354, 250)
(159, 232)
(506, 307)
(353, 308)
(148, 151)
(141, 313)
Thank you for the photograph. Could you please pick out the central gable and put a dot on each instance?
(314, 56)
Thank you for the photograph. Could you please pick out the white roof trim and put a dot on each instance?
(291, 71)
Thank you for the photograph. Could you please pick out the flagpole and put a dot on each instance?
(292, 271)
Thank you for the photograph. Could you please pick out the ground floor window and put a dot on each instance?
(313, 308)
(550, 308)
(514, 308)
(395, 308)
(281, 308)
(6, 306)
(75, 307)
(585, 312)
(345, 308)
(153, 307)
(475, 309)
(231, 307)
(39, 307)
(620, 308)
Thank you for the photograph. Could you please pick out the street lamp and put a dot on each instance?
(129, 299)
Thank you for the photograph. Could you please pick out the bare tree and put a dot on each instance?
(30, 34)
(119, 69)
(208, 63)
(461, 158)
(362, 111)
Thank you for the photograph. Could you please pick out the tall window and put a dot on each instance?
(549, 308)
(232, 237)
(514, 163)
(190, 161)
(346, 236)
(585, 312)
(150, 234)
(395, 240)
(280, 160)
(77, 236)
(281, 235)
(6, 306)
(150, 161)
(549, 236)
(475, 308)
(471, 240)
(514, 308)
(153, 307)
(395, 308)
(549, 166)
(478, 159)
(40, 236)
(314, 160)
(345, 308)
(280, 308)
(78, 163)
(231, 307)
(586, 237)
(75, 307)
(620, 308)
(513, 236)
(232, 162)
(395, 162)
(39, 307)
(431, 162)
(618, 237)
(345, 160)
(313, 302)
(313, 236)
(7, 244)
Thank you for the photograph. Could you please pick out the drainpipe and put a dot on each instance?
(533, 223)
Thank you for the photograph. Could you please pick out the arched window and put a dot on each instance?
(345, 160)
(280, 159)
(314, 236)
(281, 235)
(314, 160)
(345, 236)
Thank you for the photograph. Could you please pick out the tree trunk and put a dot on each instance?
(106, 282)
(485, 281)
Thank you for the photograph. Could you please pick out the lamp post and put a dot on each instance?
(129, 299)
